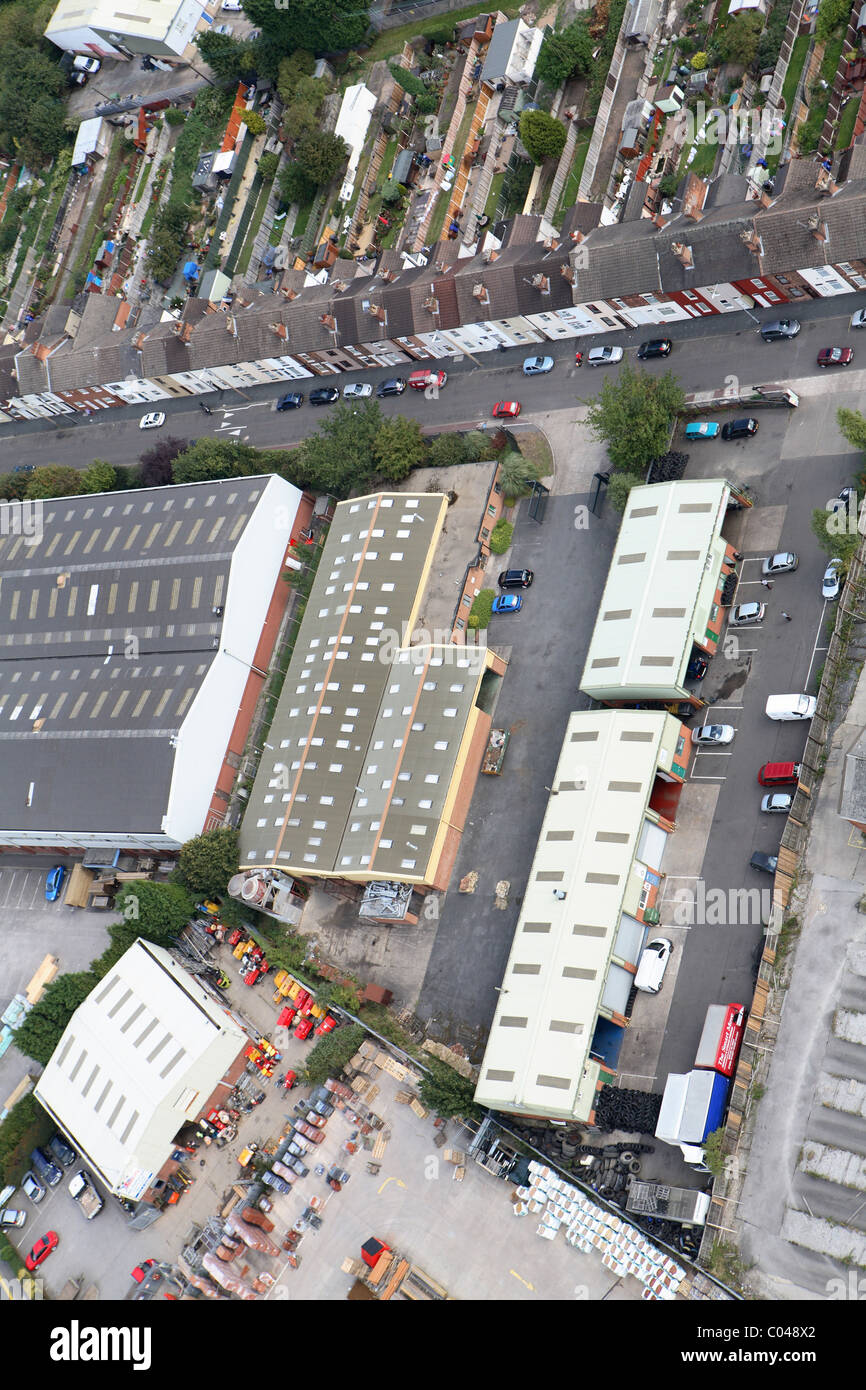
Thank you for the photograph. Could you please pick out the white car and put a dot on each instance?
(653, 964)
(601, 356)
(780, 564)
(858, 320)
(537, 366)
(831, 586)
(152, 421)
(779, 802)
(747, 613)
(714, 733)
(357, 391)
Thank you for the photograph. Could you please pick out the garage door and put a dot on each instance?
(651, 849)
(629, 939)
(617, 989)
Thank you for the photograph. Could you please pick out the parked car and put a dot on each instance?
(152, 421)
(223, 29)
(777, 803)
(24, 468)
(515, 579)
(706, 429)
(788, 707)
(697, 668)
(46, 1168)
(394, 386)
(779, 774)
(85, 62)
(858, 319)
(739, 429)
(357, 391)
(652, 965)
(32, 1187)
(506, 410)
(780, 563)
(747, 613)
(10, 1217)
(419, 381)
(656, 347)
(508, 603)
(54, 883)
(324, 395)
(6, 1193)
(537, 366)
(831, 586)
(59, 1149)
(292, 400)
(602, 356)
(714, 734)
(779, 330)
(835, 357)
(42, 1249)
(765, 863)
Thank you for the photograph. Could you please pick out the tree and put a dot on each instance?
(156, 911)
(698, 62)
(517, 474)
(439, 34)
(399, 447)
(298, 64)
(268, 165)
(563, 54)
(542, 136)
(255, 122)
(32, 113)
(99, 477)
(320, 155)
(852, 424)
(208, 861)
(620, 486)
(174, 116)
(294, 186)
(449, 451)
(208, 459)
(227, 59)
(633, 414)
(481, 447)
(46, 1022)
(331, 1053)
(167, 240)
(339, 457)
(309, 24)
(836, 532)
(831, 15)
(155, 465)
(448, 1093)
(54, 480)
(738, 41)
(13, 487)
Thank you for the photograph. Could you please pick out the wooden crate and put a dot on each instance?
(459, 1174)
(419, 1110)
(454, 1156)
(404, 1097)
(378, 1148)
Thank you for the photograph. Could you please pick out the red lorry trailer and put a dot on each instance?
(721, 1037)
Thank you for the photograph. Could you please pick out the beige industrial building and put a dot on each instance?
(589, 903)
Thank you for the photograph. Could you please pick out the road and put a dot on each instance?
(706, 356)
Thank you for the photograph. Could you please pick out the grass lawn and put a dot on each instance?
(437, 221)
(463, 132)
(845, 132)
(493, 197)
(534, 446)
(391, 41)
(302, 219)
(795, 68)
(572, 183)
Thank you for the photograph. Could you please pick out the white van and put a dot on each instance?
(790, 706)
(652, 965)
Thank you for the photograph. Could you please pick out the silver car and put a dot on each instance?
(32, 1187)
(357, 391)
(858, 320)
(778, 802)
(714, 733)
(746, 613)
(601, 356)
(780, 564)
(10, 1217)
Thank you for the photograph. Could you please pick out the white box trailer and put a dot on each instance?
(666, 1203)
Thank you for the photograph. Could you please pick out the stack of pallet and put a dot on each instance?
(405, 1097)
(418, 1109)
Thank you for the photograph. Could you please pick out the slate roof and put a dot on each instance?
(582, 217)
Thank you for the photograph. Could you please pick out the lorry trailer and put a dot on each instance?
(721, 1036)
(693, 1106)
(666, 1203)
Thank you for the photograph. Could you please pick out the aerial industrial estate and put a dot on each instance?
(431, 611)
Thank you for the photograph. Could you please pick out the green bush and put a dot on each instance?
(500, 536)
(174, 116)
(482, 609)
(331, 1053)
(268, 165)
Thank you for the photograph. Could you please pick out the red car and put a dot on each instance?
(41, 1250)
(304, 1028)
(506, 408)
(327, 1025)
(419, 381)
(835, 357)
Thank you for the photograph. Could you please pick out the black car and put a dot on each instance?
(394, 386)
(61, 1151)
(739, 429)
(324, 395)
(45, 1168)
(656, 347)
(697, 668)
(291, 401)
(766, 863)
(515, 579)
(779, 330)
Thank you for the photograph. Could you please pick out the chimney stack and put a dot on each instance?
(567, 273)
(280, 330)
(683, 254)
(479, 292)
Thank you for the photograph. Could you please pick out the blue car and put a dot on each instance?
(537, 366)
(708, 429)
(54, 883)
(508, 603)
